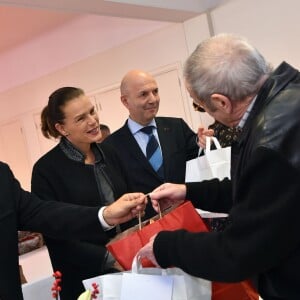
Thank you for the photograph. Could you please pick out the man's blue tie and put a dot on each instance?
(153, 151)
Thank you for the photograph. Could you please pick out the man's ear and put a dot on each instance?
(124, 101)
(221, 103)
(60, 128)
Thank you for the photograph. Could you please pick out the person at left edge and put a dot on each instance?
(81, 171)
(21, 210)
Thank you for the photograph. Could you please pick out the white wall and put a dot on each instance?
(77, 39)
(152, 51)
(195, 30)
(272, 26)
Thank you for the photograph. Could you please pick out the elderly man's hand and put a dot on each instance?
(125, 208)
(147, 251)
(167, 195)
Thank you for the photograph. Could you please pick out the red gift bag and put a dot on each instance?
(243, 290)
(125, 246)
(234, 291)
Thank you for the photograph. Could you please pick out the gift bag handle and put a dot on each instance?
(208, 140)
(140, 216)
(208, 144)
(137, 266)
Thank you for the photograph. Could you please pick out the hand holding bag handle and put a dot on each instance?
(208, 141)
(137, 284)
(125, 246)
(137, 267)
(207, 148)
(184, 286)
(213, 164)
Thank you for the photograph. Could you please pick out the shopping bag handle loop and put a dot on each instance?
(137, 266)
(140, 216)
(208, 140)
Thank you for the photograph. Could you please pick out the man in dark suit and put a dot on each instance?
(176, 141)
(21, 210)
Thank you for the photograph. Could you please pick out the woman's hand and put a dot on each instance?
(125, 208)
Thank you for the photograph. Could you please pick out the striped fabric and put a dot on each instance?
(153, 151)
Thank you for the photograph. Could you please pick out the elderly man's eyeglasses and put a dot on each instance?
(198, 107)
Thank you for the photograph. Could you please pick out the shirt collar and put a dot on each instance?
(247, 113)
(135, 127)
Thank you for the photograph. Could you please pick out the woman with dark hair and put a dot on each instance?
(81, 171)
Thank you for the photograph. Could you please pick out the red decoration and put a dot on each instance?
(95, 291)
(56, 288)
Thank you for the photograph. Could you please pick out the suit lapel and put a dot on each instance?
(135, 151)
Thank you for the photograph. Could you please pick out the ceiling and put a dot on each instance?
(25, 22)
(19, 25)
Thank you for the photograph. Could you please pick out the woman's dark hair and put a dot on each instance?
(53, 112)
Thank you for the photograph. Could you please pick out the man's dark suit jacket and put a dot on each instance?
(178, 144)
(21, 210)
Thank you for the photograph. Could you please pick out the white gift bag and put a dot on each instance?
(150, 283)
(213, 164)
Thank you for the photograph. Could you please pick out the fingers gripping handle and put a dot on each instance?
(208, 140)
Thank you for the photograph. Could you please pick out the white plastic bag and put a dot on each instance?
(213, 164)
(150, 283)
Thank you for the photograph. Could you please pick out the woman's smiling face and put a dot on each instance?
(81, 122)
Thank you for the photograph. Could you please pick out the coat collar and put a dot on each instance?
(277, 81)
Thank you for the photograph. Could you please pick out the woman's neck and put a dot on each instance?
(89, 157)
(86, 149)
